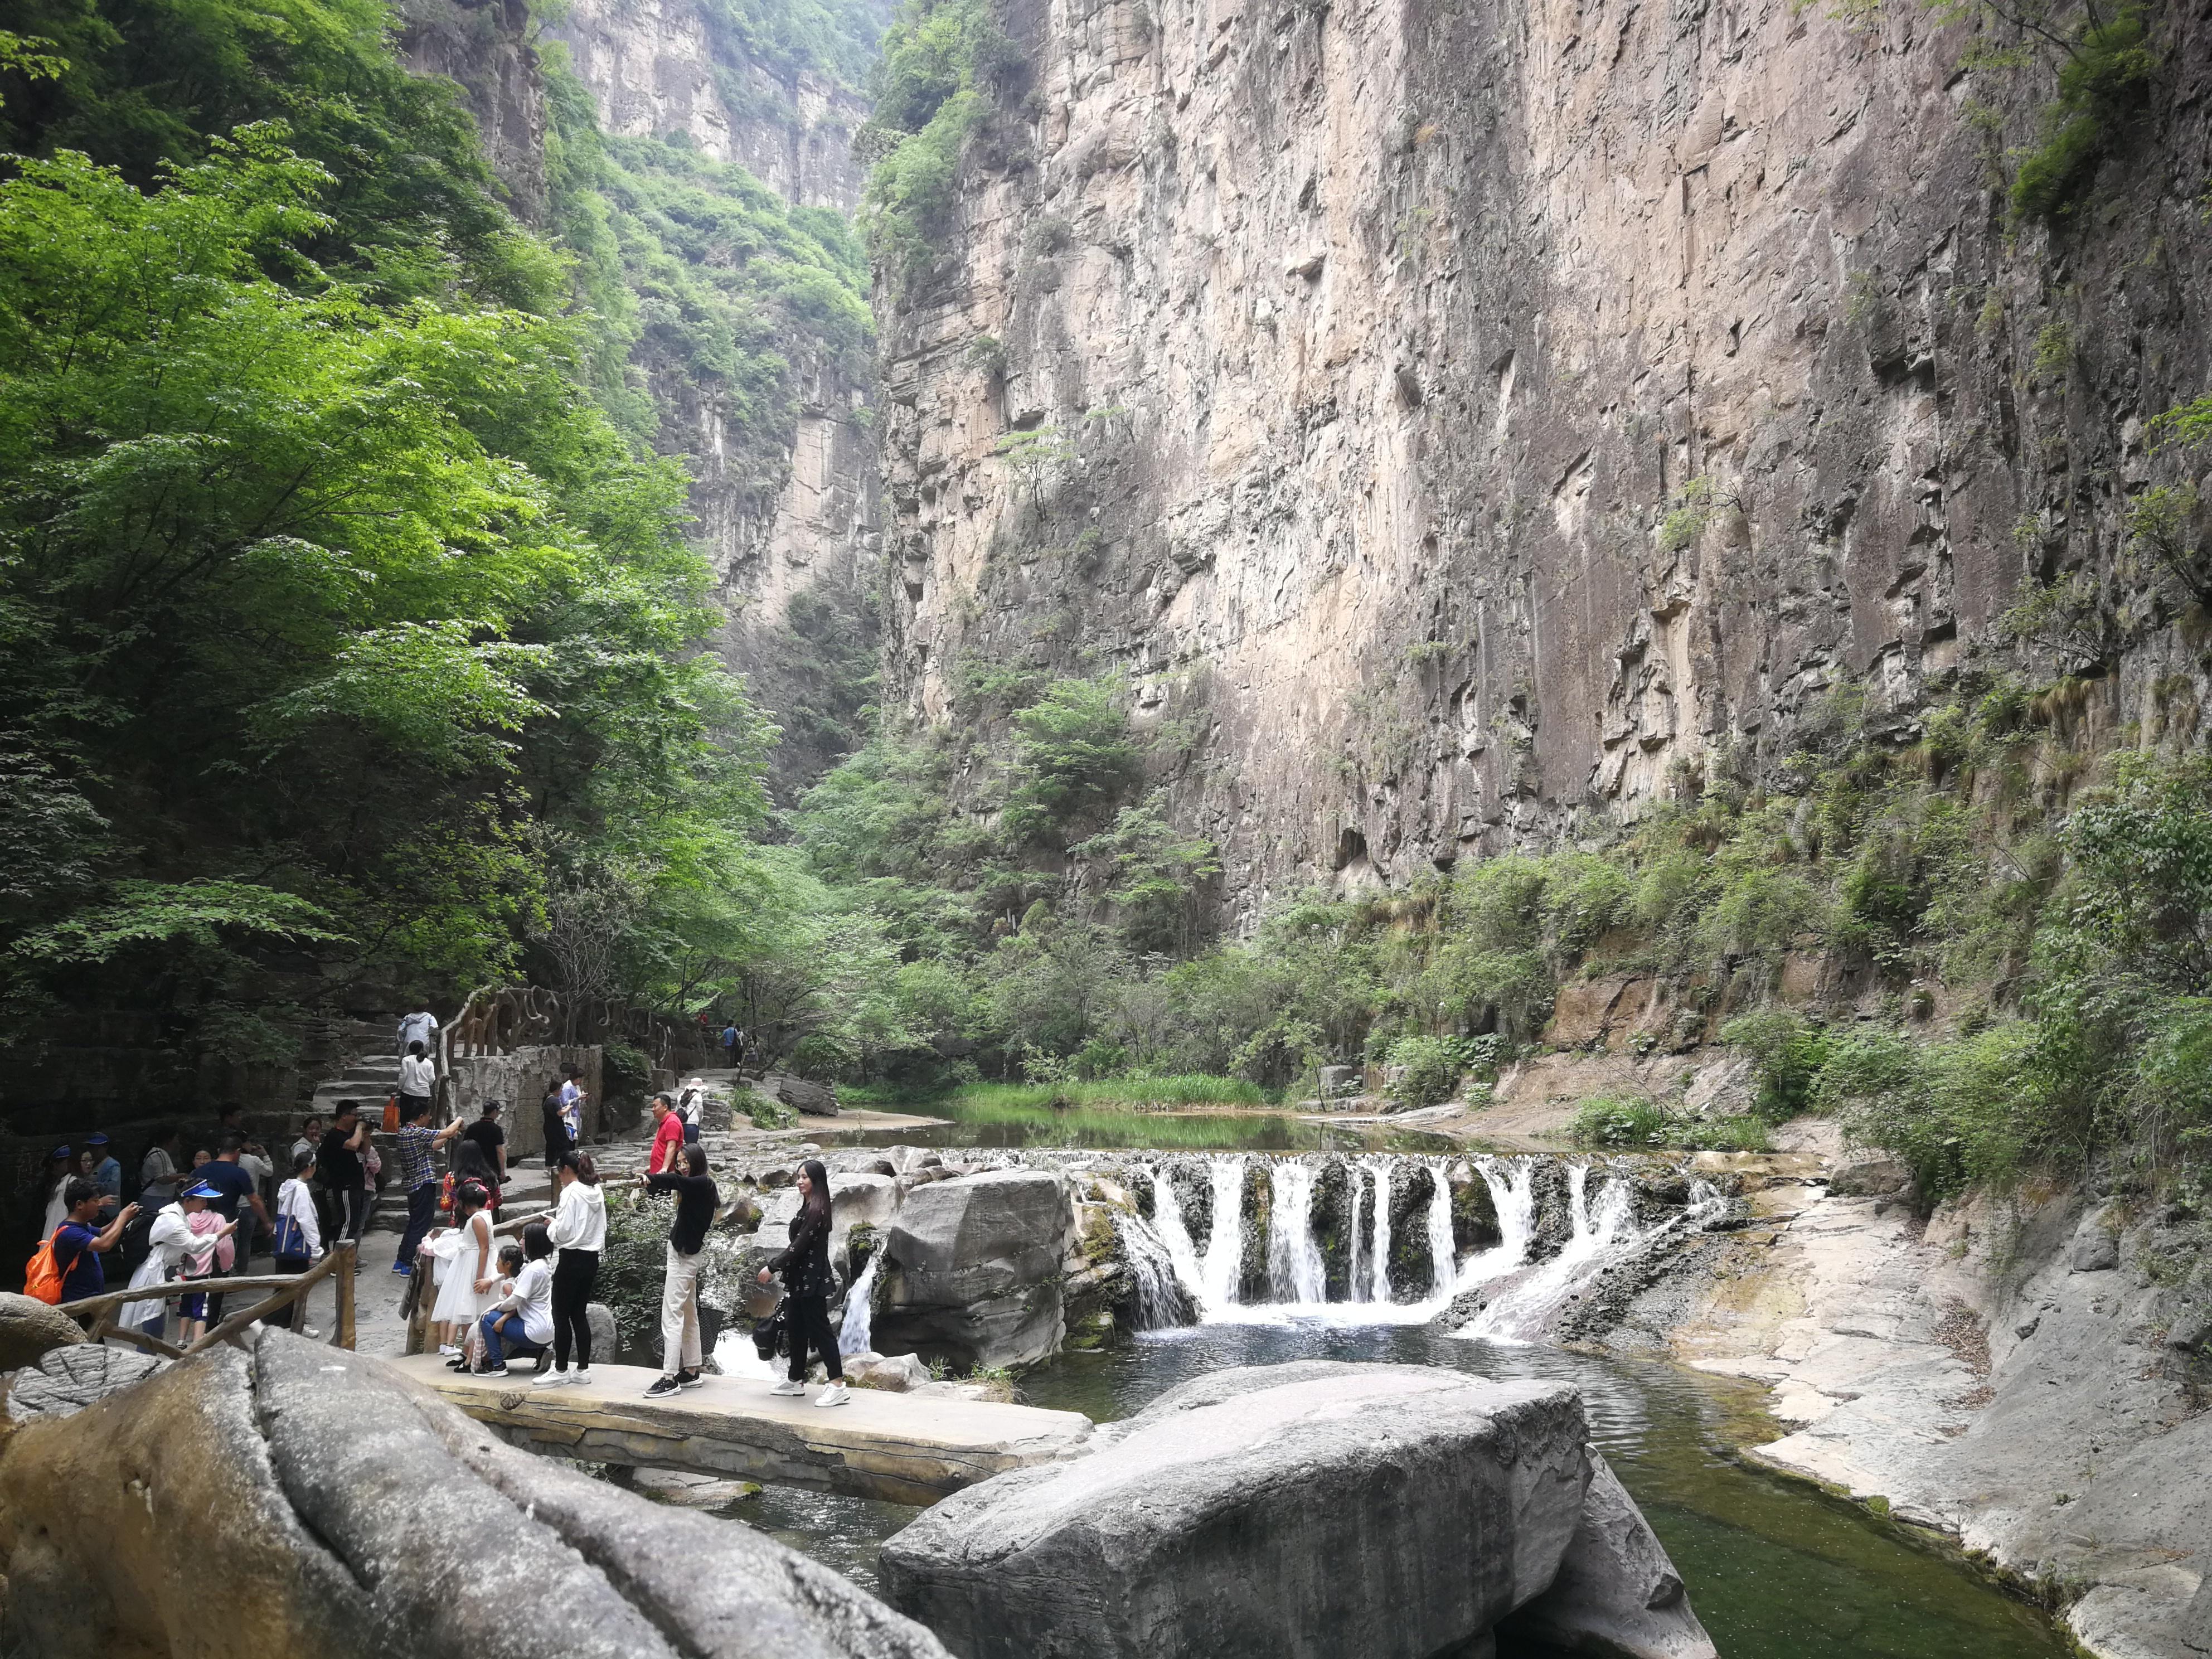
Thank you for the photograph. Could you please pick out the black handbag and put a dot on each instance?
(772, 1335)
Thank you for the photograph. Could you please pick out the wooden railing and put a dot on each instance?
(98, 1312)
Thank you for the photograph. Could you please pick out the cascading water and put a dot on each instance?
(1378, 1283)
(1160, 1297)
(1295, 1270)
(1523, 1311)
(859, 1328)
(1443, 1261)
(1225, 1246)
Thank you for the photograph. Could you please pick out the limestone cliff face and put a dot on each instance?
(1476, 418)
(661, 67)
(787, 514)
(484, 45)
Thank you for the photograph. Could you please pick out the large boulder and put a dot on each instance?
(70, 1378)
(974, 1269)
(30, 1329)
(299, 1499)
(1617, 1595)
(1314, 1510)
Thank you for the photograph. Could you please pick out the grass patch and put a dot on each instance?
(1628, 1122)
(1132, 1093)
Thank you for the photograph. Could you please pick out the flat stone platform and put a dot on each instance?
(907, 1449)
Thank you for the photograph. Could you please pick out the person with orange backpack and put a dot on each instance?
(67, 1265)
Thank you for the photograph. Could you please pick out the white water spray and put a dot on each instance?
(859, 1328)
(1379, 1254)
(1295, 1270)
(1443, 1259)
(1523, 1311)
(1225, 1246)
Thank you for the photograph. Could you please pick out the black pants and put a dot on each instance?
(574, 1276)
(288, 1317)
(348, 1212)
(810, 1327)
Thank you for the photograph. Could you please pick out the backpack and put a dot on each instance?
(42, 1278)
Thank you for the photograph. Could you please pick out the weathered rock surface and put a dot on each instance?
(1617, 1594)
(30, 1329)
(1298, 1512)
(1869, 1174)
(306, 1501)
(973, 1269)
(67, 1380)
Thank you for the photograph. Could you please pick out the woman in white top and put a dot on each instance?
(524, 1313)
(471, 1280)
(579, 1231)
(172, 1248)
(299, 1237)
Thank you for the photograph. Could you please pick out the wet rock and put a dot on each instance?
(1474, 1213)
(1320, 1510)
(974, 1269)
(66, 1380)
(1616, 1593)
(893, 1374)
(690, 1491)
(606, 1334)
(1259, 1205)
(1330, 1222)
(1412, 1266)
(30, 1329)
(1193, 1190)
(310, 1501)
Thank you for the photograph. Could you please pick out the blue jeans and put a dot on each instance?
(421, 1210)
(508, 1325)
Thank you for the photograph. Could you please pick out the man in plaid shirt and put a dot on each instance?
(418, 1145)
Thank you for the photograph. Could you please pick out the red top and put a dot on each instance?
(666, 1140)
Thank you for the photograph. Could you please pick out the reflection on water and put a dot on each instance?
(1173, 1131)
(1775, 1571)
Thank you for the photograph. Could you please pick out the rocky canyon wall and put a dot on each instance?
(1473, 421)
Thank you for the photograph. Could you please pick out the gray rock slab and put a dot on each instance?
(303, 1500)
(1617, 1594)
(69, 1379)
(30, 1329)
(1313, 1510)
(976, 1265)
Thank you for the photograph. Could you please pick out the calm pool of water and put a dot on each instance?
(1775, 1569)
(1175, 1131)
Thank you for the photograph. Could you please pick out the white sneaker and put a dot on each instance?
(556, 1380)
(307, 1333)
(449, 1352)
(583, 1375)
(836, 1394)
(788, 1387)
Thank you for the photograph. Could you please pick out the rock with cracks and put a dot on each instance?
(300, 1500)
(1315, 1510)
(1617, 1594)
(30, 1329)
(975, 1269)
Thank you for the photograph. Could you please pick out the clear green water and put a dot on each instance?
(1775, 1569)
(1178, 1132)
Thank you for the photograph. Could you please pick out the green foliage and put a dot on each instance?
(1618, 1121)
(1155, 876)
(1073, 755)
(1787, 1054)
(2103, 82)
(1430, 1074)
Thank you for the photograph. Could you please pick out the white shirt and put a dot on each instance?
(171, 1238)
(572, 1107)
(580, 1222)
(293, 1199)
(418, 1077)
(532, 1297)
(417, 1028)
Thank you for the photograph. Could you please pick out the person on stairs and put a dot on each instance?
(339, 1168)
(578, 1228)
(419, 1027)
(695, 1201)
(419, 1145)
(805, 1265)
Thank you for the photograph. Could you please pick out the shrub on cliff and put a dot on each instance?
(1428, 1073)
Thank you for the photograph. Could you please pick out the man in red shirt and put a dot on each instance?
(667, 1137)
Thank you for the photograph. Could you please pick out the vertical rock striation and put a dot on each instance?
(1469, 421)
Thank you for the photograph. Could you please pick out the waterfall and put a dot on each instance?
(1225, 1246)
(1523, 1311)
(1356, 1178)
(1295, 1270)
(858, 1330)
(1161, 1301)
(1174, 1233)
(1444, 1255)
(1379, 1253)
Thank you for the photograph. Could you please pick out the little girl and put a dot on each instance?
(214, 1254)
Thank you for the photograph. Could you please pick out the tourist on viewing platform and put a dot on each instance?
(309, 1140)
(107, 1174)
(160, 1172)
(418, 1081)
(418, 1146)
(54, 1178)
(571, 1105)
(490, 1139)
(297, 1239)
(667, 1137)
(175, 1250)
(471, 1283)
(578, 1228)
(524, 1313)
(421, 1026)
(341, 1173)
(254, 1159)
(805, 1265)
(238, 1201)
(469, 1165)
(557, 1140)
(81, 1241)
(695, 1199)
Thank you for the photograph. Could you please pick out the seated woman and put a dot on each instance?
(524, 1315)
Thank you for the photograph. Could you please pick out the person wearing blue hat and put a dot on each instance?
(175, 1250)
(53, 1186)
(106, 1173)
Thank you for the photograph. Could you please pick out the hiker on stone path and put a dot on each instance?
(298, 1239)
(805, 1265)
(491, 1139)
(556, 1125)
(696, 1197)
(667, 1137)
(418, 1081)
(421, 1026)
(578, 1229)
(418, 1146)
(80, 1240)
(524, 1313)
(733, 1044)
(341, 1174)
(239, 1202)
(571, 1104)
(174, 1250)
(689, 1104)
